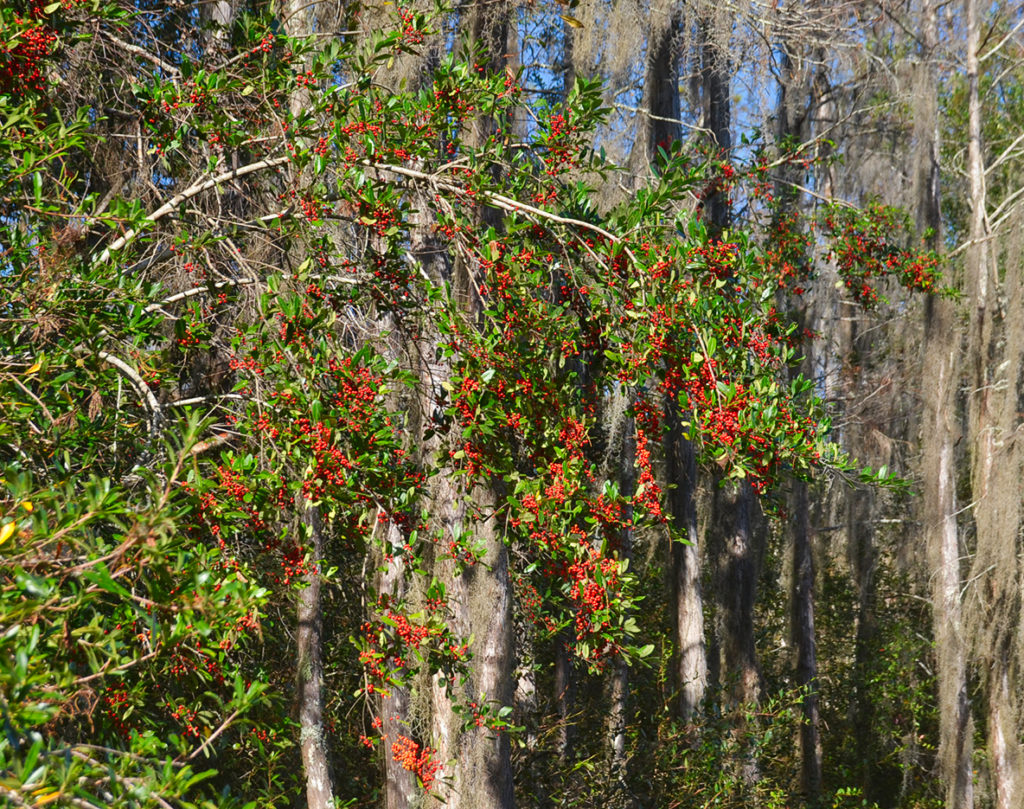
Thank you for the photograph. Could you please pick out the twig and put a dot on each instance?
(149, 57)
(138, 383)
(187, 194)
(500, 201)
(214, 735)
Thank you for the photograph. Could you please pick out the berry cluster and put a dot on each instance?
(416, 760)
(22, 66)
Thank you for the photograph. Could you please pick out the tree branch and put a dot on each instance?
(187, 194)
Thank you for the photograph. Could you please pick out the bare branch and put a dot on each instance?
(187, 194)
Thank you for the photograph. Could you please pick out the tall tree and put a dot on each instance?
(994, 343)
(939, 382)
(659, 127)
(797, 104)
(480, 760)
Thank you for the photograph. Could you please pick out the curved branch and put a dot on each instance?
(187, 194)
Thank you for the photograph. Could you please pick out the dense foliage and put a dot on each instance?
(268, 322)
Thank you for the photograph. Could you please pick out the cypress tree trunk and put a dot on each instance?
(478, 765)
(732, 502)
(691, 669)
(660, 126)
(731, 506)
(802, 624)
(941, 348)
(994, 358)
(400, 788)
(309, 643)
(618, 716)
(940, 371)
(715, 29)
(309, 637)
(792, 122)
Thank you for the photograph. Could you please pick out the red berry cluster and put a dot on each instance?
(594, 581)
(562, 149)
(22, 66)
(411, 34)
(416, 760)
(862, 247)
(115, 702)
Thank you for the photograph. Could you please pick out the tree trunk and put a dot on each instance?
(732, 503)
(309, 638)
(477, 771)
(565, 695)
(618, 715)
(793, 112)
(731, 507)
(994, 358)
(855, 352)
(659, 122)
(691, 668)
(478, 768)
(309, 643)
(660, 125)
(715, 30)
(400, 787)
(938, 473)
(941, 348)
(802, 624)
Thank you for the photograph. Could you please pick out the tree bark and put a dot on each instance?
(994, 358)
(802, 623)
(618, 715)
(715, 29)
(691, 665)
(793, 113)
(477, 772)
(731, 507)
(659, 123)
(309, 643)
(732, 504)
(732, 501)
(940, 370)
(400, 787)
(478, 767)
(941, 348)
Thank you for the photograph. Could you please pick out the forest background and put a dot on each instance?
(511, 403)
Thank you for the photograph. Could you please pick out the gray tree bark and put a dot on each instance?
(660, 125)
(310, 679)
(995, 360)
(400, 788)
(309, 638)
(691, 667)
(793, 111)
(478, 767)
(618, 715)
(715, 30)
(732, 502)
(940, 370)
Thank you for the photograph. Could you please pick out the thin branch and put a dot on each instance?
(209, 739)
(202, 399)
(1007, 153)
(187, 194)
(149, 57)
(995, 48)
(147, 396)
(500, 201)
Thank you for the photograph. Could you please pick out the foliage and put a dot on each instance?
(318, 292)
